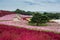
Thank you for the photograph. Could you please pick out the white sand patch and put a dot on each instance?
(15, 19)
(57, 20)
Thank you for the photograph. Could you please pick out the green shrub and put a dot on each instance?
(39, 19)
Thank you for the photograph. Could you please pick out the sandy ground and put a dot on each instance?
(55, 27)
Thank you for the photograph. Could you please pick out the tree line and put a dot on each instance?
(49, 14)
(18, 11)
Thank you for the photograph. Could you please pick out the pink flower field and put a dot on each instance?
(8, 17)
(19, 30)
(15, 33)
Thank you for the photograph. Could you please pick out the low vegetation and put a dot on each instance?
(39, 19)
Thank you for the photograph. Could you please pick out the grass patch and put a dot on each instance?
(43, 24)
(34, 24)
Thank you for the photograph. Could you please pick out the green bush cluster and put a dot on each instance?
(39, 19)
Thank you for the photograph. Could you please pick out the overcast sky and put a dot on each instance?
(31, 5)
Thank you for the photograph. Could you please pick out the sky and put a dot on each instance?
(31, 5)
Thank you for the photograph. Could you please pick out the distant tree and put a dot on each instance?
(23, 12)
(39, 19)
(56, 16)
(17, 11)
(29, 13)
(52, 15)
(45, 13)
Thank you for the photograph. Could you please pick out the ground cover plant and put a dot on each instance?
(14, 33)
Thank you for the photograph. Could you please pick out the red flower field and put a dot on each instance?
(15, 33)
(3, 13)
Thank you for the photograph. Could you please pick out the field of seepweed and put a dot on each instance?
(14, 33)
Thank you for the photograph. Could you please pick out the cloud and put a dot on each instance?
(51, 1)
(30, 3)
